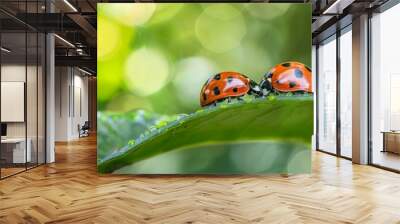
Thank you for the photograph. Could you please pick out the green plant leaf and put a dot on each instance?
(285, 119)
(116, 130)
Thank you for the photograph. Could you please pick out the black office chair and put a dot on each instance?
(84, 130)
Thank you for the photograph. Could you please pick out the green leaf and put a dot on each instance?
(116, 130)
(284, 119)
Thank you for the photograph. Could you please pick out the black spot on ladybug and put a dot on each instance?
(217, 77)
(216, 91)
(292, 84)
(278, 81)
(230, 79)
(235, 89)
(308, 68)
(286, 64)
(204, 96)
(298, 73)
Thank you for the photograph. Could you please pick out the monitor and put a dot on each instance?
(3, 129)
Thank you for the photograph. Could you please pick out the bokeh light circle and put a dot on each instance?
(108, 40)
(128, 102)
(267, 11)
(146, 71)
(192, 72)
(258, 156)
(220, 27)
(301, 160)
(165, 12)
(249, 59)
(130, 14)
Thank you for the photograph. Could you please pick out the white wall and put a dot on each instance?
(71, 102)
(62, 82)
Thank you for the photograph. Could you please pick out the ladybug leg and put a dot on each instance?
(229, 99)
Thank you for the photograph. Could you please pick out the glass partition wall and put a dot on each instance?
(22, 78)
(334, 105)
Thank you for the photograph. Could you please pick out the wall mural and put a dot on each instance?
(204, 88)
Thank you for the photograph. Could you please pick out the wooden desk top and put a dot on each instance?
(13, 140)
(391, 132)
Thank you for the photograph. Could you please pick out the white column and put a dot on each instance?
(360, 90)
(50, 100)
(50, 92)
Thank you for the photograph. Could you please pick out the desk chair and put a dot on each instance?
(84, 130)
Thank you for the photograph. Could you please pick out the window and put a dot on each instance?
(385, 89)
(327, 96)
(346, 93)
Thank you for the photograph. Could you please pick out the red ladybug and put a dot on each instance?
(288, 77)
(227, 85)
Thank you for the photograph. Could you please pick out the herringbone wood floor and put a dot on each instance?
(70, 191)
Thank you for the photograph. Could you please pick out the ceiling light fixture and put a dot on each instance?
(84, 71)
(337, 7)
(64, 40)
(5, 50)
(329, 9)
(70, 5)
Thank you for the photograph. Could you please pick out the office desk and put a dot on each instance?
(391, 141)
(16, 147)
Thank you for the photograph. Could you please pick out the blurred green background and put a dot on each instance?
(156, 57)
